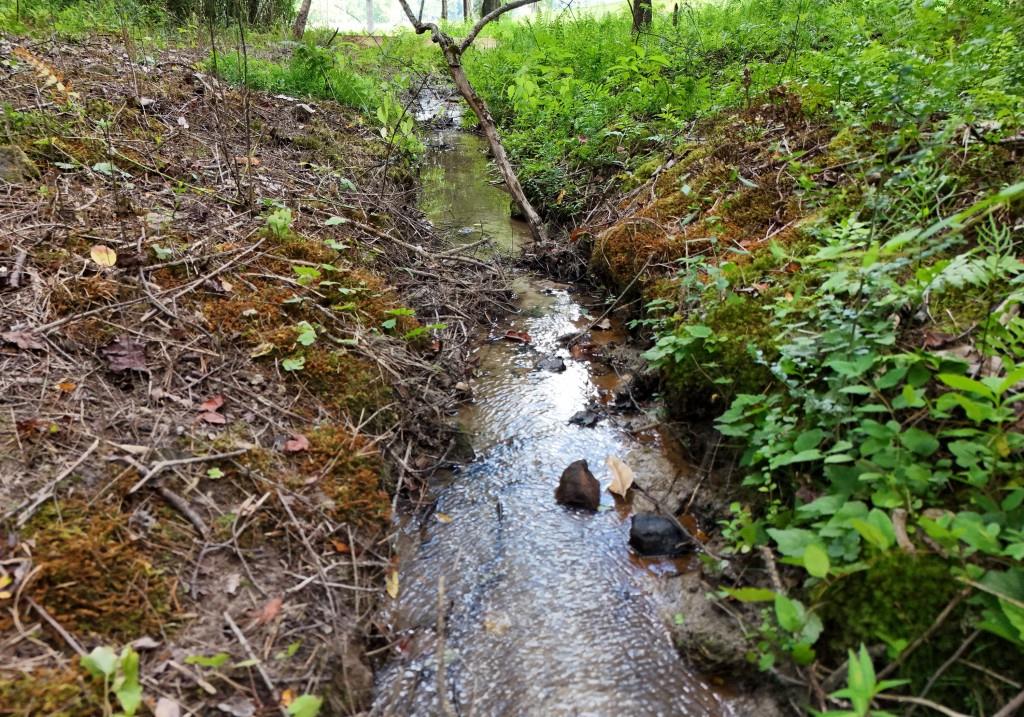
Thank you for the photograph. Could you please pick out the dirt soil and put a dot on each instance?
(211, 390)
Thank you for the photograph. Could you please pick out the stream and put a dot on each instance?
(545, 610)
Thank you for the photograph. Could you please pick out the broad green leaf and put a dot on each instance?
(212, 661)
(789, 613)
(101, 662)
(816, 560)
(305, 706)
(792, 541)
(750, 594)
(920, 442)
(962, 383)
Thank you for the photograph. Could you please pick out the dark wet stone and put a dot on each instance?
(578, 488)
(652, 534)
(15, 166)
(551, 363)
(587, 418)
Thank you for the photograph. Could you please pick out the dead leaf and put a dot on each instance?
(231, 583)
(145, 643)
(103, 255)
(183, 123)
(269, 611)
(211, 404)
(443, 517)
(213, 418)
(125, 354)
(263, 349)
(66, 386)
(297, 443)
(287, 697)
(603, 325)
(391, 583)
(166, 707)
(238, 706)
(622, 476)
(24, 340)
(341, 547)
(520, 336)
(250, 161)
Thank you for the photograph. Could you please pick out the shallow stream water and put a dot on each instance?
(509, 603)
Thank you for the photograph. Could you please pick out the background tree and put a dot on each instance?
(299, 28)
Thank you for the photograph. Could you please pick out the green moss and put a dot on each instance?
(53, 692)
(93, 576)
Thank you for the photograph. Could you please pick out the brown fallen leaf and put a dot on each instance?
(341, 547)
(520, 336)
(211, 404)
(24, 340)
(214, 418)
(622, 476)
(125, 354)
(269, 611)
(443, 517)
(66, 386)
(297, 443)
(391, 583)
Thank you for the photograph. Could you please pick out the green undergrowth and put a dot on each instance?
(822, 211)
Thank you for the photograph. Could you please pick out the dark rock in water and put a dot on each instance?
(551, 363)
(578, 488)
(653, 534)
(15, 166)
(514, 212)
(587, 418)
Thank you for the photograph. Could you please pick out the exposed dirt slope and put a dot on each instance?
(206, 405)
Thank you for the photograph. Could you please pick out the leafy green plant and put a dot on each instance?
(120, 674)
(279, 222)
(862, 688)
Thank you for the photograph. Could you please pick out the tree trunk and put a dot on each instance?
(642, 15)
(444, 9)
(299, 28)
(369, 16)
(489, 6)
(466, 10)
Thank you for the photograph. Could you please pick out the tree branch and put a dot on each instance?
(493, 15)
(417, 24)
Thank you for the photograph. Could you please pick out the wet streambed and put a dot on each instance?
(544, 609)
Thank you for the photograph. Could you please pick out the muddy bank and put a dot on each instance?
(214, 377)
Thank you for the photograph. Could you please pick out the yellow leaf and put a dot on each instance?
(622, 476)
(443, 517)
(287, 697)
(263, 349)
(391, 584)
(103, 255)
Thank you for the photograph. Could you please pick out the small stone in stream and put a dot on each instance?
(303, 112)
(603, 325)
(15, 166)
(587, 418)
(578, 488)
(652, 534)
(551, 363)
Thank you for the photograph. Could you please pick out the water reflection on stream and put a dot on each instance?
(544, 611)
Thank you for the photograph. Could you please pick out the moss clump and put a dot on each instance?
(740, 329)
(92, 576)
(346, 383)
(349, 472)
(53, 692)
